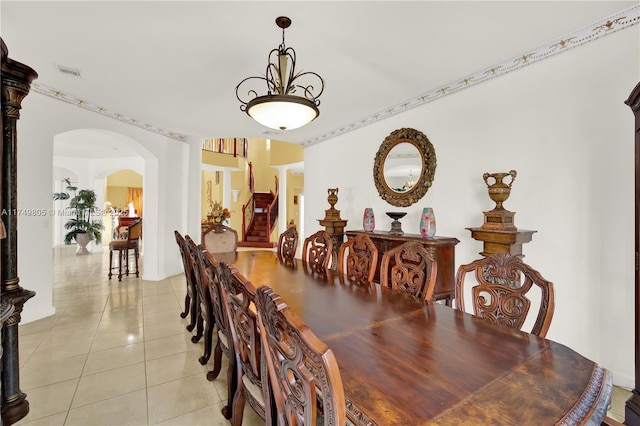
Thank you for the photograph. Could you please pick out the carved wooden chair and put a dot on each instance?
(409, 268)
(220, 239)
(122, 246)
(287, 245)
(317, 252)
(206, 322)
(358, 258)
(500, 296)
(212, 277)
(190, 299)
(243, 324)
(303, 375)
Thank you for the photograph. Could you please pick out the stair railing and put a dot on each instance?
(248, 209)
(272, 211)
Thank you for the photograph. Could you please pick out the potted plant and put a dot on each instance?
(81, 228)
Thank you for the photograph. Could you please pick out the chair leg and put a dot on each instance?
(208, 334)
(136, 255)
(194, 312)
(110, 263)
(120, 252)
(238, 405)
(217, 362)
(232, 385)
(126, 261)
(199, 328)
(187, 303)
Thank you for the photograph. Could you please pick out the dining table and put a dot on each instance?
(405, 361)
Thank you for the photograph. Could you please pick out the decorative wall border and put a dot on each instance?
(82, 103)
(619, 21)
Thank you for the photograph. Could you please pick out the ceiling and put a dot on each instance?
(174, 66)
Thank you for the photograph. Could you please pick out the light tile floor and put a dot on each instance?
(117, 353)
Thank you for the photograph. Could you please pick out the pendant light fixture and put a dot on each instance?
(291, 100)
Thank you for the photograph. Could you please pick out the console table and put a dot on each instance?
(442, 249)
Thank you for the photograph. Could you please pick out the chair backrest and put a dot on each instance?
(134, 231)
(243, 323)
(212, 280)
(287, 244)
(186, 263)
(358, 258)
(181, 247)
(301, 368)
(409, 268)
(500, 296)
(220, 239)
(318, 251)
(204, 302)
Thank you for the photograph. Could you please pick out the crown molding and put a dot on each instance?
(587, 34)
(60, 95)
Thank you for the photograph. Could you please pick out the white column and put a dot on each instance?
(98, 187)
(226, 187)
(282, 198)
(192, 197)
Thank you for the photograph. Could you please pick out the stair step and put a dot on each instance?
(259, 244)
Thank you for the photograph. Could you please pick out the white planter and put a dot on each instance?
(83, 240)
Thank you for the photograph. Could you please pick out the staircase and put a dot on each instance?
(256, 235)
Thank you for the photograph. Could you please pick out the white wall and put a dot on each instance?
(563, 126)
(164, 182)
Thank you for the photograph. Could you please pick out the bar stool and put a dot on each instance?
(134, 233)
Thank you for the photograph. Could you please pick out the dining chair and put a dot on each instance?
(206, 322)
(287, 245)
(317, 252)
(409, 268)
(122, 246)
(303, 379)
(358, 258)
(188, 274)
(500, 296)
(212, 276)
(243, 324)
(220, 239)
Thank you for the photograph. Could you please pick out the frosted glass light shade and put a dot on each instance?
(282, 112)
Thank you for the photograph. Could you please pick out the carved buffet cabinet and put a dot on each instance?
(442, 249)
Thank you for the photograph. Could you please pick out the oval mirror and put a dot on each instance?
(404, 167)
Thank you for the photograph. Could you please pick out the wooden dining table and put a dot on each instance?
(404, 361)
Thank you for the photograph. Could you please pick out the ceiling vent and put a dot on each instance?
(69, 71)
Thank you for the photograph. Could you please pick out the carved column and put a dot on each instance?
(334, 225)
(632, 407)
(6, 309)
(16, 81)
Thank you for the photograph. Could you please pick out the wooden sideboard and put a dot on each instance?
(442, 248)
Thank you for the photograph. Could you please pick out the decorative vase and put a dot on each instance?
(82, 238)
(368, 220)
(428, 223)
(499, 191)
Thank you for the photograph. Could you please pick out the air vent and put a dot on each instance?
(70, 71)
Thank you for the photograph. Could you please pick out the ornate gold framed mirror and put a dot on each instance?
(404, 167)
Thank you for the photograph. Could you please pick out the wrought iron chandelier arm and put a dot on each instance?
(251, 93)
(309, 88)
